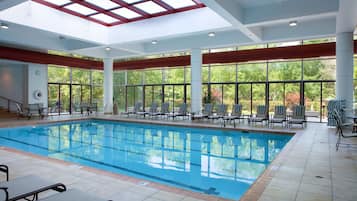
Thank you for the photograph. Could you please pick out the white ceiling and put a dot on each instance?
(235, 22)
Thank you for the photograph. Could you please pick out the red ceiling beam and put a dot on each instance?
(44, 58)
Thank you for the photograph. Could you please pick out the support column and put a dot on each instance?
(196, 80)
(344, 69)
(108, 85)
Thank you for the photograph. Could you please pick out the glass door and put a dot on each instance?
(64, 101)
(53, 98)
(312, 96)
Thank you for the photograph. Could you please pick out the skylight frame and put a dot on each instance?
(130, 5)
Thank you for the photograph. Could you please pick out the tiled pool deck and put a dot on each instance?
(309, 168)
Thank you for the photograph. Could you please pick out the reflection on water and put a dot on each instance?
(224, 163)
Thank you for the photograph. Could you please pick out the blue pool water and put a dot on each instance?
(218, 162)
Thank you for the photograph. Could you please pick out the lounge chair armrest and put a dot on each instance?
(5, 169)
(6, 193)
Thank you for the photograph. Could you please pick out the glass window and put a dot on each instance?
(319, 69)
(226, 49)
(174, 75)
(188, 74)
(205, 74)
(119, 78)
(58, 74)
(135, 77)
(216, 94)
(98, 96)
(282, 71)
(319, 40)
(284, 44)
(355, 69)
(251, 47)
(120, 97)
(153, 76)
(97, 77)
(226, 73)
(252, 72)
(80, 76)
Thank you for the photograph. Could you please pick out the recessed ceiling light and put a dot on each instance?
(4, 26)
(293, 23)
(211, 34)
(107, 49)
(154, 42)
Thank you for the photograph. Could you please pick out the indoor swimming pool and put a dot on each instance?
(217, 162)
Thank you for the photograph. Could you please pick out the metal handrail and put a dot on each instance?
(9, 101)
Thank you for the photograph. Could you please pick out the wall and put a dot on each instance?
(37, 81)
(12, 82)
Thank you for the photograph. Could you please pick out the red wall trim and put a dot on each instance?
(44, 58)
(291, 52)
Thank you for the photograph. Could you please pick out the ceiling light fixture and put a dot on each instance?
(154, 42)
(4, 26)
(211, 34)
(107, 49)
(293, 23)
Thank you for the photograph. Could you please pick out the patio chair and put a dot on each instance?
(279, 115)
(298, 116)
(236, 114)
(21, 112)
(153, 109)
(137, 108)
(26, 187)
(181, 113)
(339, 128)
(260, 116)
(221, 112)
(163, 111)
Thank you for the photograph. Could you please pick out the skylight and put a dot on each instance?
(58, 2)
(124, 12)
(179, 4)
(80, 9)
(104, 18)
(150, 7)
(115, 12)
(105, 4)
